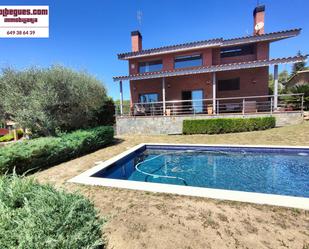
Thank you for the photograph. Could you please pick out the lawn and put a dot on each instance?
(138, 219)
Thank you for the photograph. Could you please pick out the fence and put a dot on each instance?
(244, 105)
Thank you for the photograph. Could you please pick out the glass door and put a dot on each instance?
(187, 105)
(197, 102)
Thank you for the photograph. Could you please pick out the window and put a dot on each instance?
(150, 66)
(229, 85)
(148, 97)
(196, 103)
(188, 61)
(237, 51)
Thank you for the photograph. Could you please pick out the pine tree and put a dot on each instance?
(298, 65)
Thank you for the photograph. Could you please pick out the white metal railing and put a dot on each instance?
(237, 105)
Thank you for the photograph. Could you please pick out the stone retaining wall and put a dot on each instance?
(155, 125)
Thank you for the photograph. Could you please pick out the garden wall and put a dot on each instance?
(155, 125)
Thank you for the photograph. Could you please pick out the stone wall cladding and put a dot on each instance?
(158, 125)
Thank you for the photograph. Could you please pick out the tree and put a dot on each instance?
(282, 78)
(302, 89)
(52, 99)
(298, 66)
(125, 105)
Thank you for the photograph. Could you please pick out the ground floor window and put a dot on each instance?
(148, 97)
(229, 84)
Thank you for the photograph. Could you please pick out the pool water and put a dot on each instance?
(283, 172)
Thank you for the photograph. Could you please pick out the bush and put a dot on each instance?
(227, 125)
(39, 216)
(50, 100)
(106, 115)
(47, 151)
(301, 89)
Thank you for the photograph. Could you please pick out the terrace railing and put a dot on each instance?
(236, 105)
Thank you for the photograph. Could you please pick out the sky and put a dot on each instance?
(88, 35)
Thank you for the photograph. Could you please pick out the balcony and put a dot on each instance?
(266, 104)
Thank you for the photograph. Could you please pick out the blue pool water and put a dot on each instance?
(274, 171)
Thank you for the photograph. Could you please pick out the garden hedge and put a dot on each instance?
(42, 152)
(227, 125)
(39, 216)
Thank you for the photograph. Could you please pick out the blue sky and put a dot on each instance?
(87, 35)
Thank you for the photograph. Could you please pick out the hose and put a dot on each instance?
(170, 153)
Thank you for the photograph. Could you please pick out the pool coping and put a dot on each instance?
(231, 195)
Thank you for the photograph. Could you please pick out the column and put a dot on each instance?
(214, 90)
(121, 98)
(275, 87)
(163, 95)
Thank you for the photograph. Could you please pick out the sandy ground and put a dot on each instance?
(138, 219)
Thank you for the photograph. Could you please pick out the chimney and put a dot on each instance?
(136, 39)
(258, 16)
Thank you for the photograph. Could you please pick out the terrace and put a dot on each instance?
(232, 88)
(265, 104)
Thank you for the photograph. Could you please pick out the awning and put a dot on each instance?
(213, 68)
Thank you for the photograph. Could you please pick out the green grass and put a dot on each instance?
(39, 216)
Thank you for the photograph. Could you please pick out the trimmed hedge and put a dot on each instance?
(227, 125)
(47, 151)
(39, 216)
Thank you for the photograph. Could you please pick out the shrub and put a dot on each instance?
(227, 125)
(301, 89)
(52, 99)
(39, 216)
(106, 115)
(47, 151)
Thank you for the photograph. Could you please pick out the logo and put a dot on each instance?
(24, 21)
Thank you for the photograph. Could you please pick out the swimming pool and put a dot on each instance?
(257, 174)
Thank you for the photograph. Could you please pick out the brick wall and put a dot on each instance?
(252, 82)
(262, 50)
(211, 56)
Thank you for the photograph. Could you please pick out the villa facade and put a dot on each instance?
(210, 77)
(209, 69)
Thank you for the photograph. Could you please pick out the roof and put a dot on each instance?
(302, 72)
(219, 42)
(302, 75)
(213, 68)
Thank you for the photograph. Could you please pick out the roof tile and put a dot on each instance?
(213, 68)
(211, 43)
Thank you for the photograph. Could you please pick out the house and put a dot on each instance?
(298, 79)
(3, 132)
(205, 77)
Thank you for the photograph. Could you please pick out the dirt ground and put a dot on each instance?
(138, 219)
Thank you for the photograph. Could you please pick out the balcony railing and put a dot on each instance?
(236, 105)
